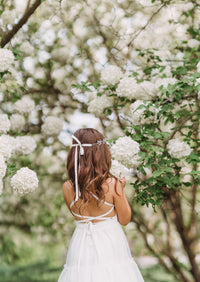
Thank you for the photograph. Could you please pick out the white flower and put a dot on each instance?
(166, 127)
(17, 122)
(126, 150)
(24, 181)
(111, 74)
(6, 59)
(7, 107)
(193, 43)
(127, 88)
(138, 115)
(178, 148)
(185, 175)
(8, 17)
(52, 126)
(4, 123)
(198, 67)
(25, 145)
(3, 167)
(119, 170)
(1, 186)
(6, 147)
(25, 105)
(146, 91)
(97, 105)
(27, 48)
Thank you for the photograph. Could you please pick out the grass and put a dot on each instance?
(37, 272)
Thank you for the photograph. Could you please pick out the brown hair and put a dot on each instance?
(94, 164)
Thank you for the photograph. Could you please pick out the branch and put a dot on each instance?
(148, 22)
(8, 36)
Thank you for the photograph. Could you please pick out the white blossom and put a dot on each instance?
(25, 145)
(178, 148)
(4, 123)
(97, 105)
(17, 122)
(6, 147)
(119, 170)
(52, 126)
(25, 105)
(1, 186)
(168, 127)
(27, 48)
(3, 167)
(193, 43)
(164, 82)
(198, 67)
(8, 17)
(7, 107)
(127, 88)
(185, 175)
(146, 91)
(125, 150)
(111, 74)
(138, 115)
(6, 59)
(24, 181)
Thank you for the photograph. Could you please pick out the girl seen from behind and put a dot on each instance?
(99, 250)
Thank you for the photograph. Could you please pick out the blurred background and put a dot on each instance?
(55, 78)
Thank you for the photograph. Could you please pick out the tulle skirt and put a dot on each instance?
(99, 252)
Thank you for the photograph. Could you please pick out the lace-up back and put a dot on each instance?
(86, 218)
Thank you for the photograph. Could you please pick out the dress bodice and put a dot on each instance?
(86, 218)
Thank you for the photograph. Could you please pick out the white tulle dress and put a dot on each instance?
(99, 252)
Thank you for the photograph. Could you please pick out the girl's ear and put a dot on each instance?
(119, 187)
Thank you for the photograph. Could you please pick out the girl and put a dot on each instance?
(99, 250)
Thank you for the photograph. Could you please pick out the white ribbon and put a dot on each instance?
(81, 152)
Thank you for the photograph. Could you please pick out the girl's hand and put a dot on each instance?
(120, 185)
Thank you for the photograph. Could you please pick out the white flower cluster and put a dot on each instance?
(1, 186)
(198, 67)
(126, 150)
(4, 123)
(24, 181)
(97, 105)
(164, 82)
(17, 122)
(25, 145)
(25, 105)
(119, 170)
(111, 75)
(129, 88)
(178, 149)
(3, 167)
(6, 147)
(138, 115)
(52, 126)
(6, 59)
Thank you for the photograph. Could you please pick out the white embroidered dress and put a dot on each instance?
(99, 252)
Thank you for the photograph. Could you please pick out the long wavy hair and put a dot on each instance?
(94, 165)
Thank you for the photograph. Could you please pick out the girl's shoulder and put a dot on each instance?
(68, 192)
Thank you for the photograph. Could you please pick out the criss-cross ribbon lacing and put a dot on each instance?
(77, 160)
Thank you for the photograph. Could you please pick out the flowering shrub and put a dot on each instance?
(6, 59)
(24, 181)
(52, 126)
